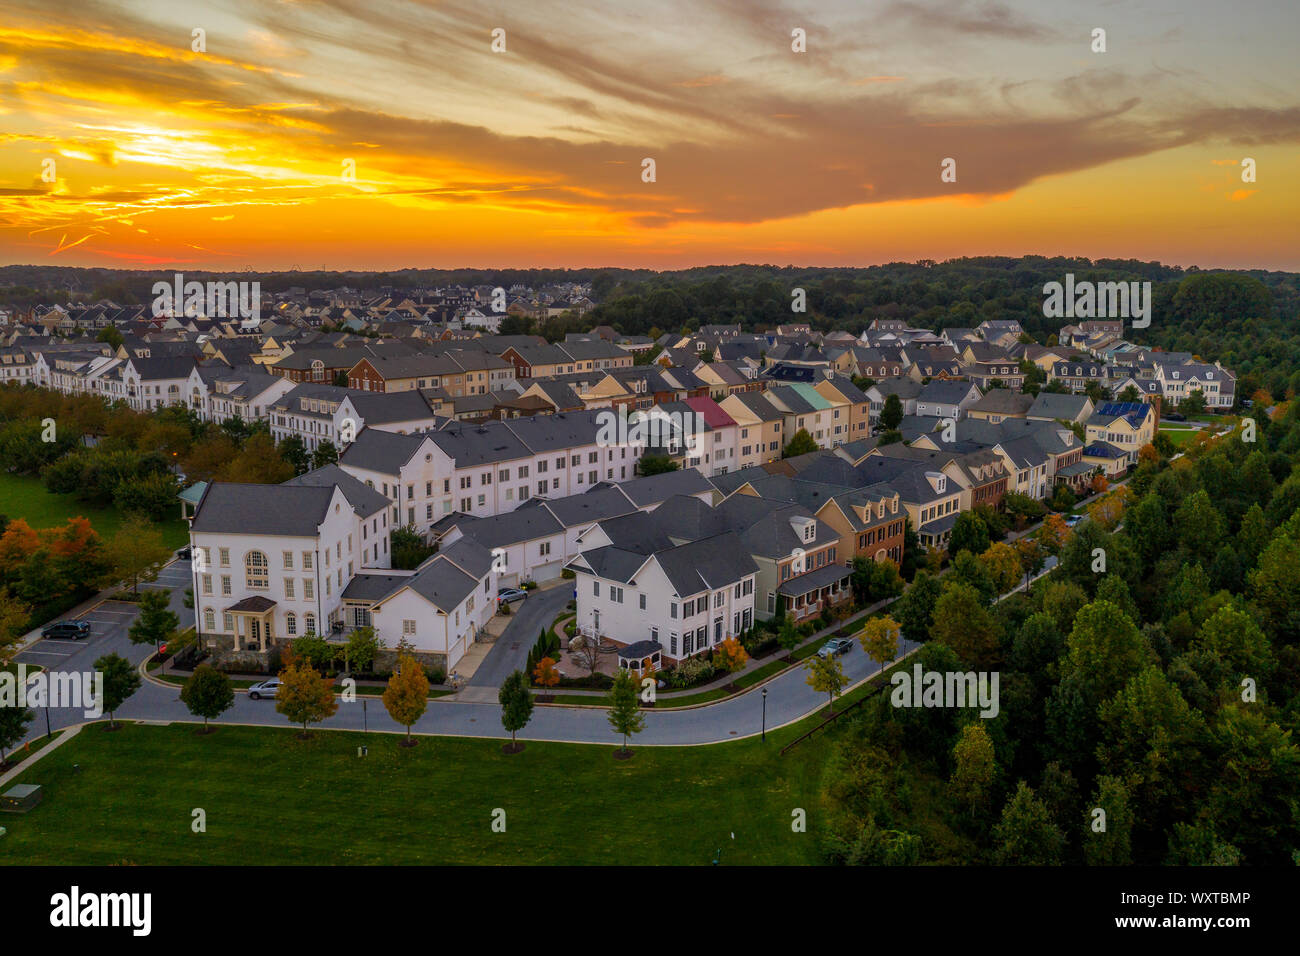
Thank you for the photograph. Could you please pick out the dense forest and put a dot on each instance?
(1149, 686)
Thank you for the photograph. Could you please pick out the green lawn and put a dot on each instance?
(271, 798)
(23, 496)
(1180, 436)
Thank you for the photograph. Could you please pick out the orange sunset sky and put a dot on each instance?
(234, 157)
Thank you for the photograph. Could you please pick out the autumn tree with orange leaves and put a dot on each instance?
(729, 656)
(545, 673)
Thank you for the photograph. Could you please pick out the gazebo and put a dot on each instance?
(641, 656)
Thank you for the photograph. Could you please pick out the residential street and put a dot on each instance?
(789, 698)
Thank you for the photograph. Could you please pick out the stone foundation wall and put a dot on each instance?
(221, 649)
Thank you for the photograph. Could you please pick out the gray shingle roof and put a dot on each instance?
(381, 451)
(293, 510)
(365, 501)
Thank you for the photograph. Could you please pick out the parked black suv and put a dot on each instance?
(68, 630)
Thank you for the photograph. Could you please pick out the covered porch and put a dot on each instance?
(254, 619)
(811, 593)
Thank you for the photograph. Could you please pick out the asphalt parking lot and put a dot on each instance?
(175, 575)
(109, 619)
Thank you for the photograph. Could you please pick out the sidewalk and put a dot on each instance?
(64, 737)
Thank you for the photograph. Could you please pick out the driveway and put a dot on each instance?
(527, 618)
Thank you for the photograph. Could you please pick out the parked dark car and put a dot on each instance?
(1175, 417)
(67, 630)
(835, 646)
(184, 553)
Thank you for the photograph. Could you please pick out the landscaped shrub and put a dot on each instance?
(692, 671)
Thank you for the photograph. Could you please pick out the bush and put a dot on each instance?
(568, 574)
(692, 671)
(588, 682)
(436, 675)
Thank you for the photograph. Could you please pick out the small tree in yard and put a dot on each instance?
(879, 638)
(13, 725)
(208, 693)
(516, 707)
(589, 653)
(801, 444)
(787, 635)
(361, 648)
(624, 708)
(545, 673)
(120, 681)
(729, 656)
(304, 696)
(827, 676)
(407, 695)
(156, 623)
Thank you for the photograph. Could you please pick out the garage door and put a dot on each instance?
(547, 572)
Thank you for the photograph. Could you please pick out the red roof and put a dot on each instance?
(714, 416)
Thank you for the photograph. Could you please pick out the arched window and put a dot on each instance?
(291, 623)
(209, 620)
(256, 574)
(309, 623)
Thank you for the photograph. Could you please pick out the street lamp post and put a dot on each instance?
(764, 715)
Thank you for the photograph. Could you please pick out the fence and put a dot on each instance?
(875, 689)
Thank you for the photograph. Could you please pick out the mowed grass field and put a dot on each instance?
(1180, 436)
(23, 496)
(271, 798)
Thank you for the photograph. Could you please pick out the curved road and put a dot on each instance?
(789, 699)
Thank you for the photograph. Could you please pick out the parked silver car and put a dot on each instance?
(266, 688)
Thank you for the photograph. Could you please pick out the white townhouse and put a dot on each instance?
(218, 393)
(150, 383)
(536, 540)
(660, 601)
(16, 365)
(405, 412)
(1177, 382)
(527, 544)
(485, 469)
(438, 610)
(272, 561)
(308, 411)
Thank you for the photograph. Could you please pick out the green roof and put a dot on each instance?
(194, 492)
(810, 395)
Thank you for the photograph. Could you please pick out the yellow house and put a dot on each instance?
(1126, 425)
(853, 409)
(761, 429)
